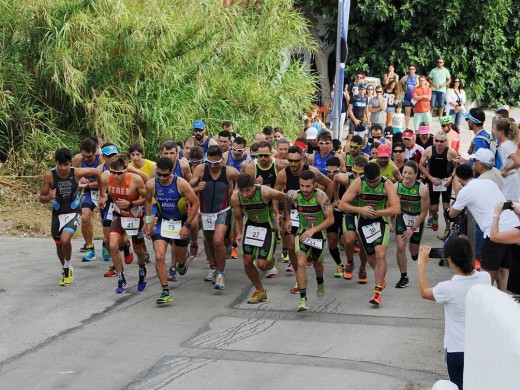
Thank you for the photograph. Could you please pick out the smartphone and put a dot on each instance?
(508, 205)
(436, 253)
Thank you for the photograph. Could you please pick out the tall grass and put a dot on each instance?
(126, 70)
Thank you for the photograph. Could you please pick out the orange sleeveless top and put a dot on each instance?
(124, 191)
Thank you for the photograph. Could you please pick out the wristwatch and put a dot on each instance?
(187, 224)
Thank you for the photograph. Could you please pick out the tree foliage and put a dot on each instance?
(127, 70)
(478, 39)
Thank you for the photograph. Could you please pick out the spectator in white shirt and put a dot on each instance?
(507, 134)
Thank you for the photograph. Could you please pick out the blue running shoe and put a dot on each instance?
(121, 286)
(106, 254)
(172, 275)
(90, 255)
(141, 284)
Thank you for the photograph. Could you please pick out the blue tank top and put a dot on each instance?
(205, 146)
(411, 82)
(320, 163)
(237, 164)
(170, 203)
(177, 170)
(93, 165)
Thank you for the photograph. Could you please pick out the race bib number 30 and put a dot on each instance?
(372, 232)
(208, 221)
(255, 236)
(171, 229)
(130, 225)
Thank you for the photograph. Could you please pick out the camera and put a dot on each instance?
(508, 205)
(437, 253)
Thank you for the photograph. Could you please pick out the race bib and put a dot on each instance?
(208, 220)
(94, 195)
(409, 221)
(295, 220)
(171, 229)
(255, 236)
(372, 232)
(110, 213)
(65, 219)
(314, 242)
(130, 225)
(441, 187)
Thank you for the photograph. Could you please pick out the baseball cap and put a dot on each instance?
(389, 132)
(362, 86)
(476, 115)
(109, 150)
(408, 134)
(311, 133)
(484, 156)
(424, 129)
(383, 150)
(199, 124)
(302, 145)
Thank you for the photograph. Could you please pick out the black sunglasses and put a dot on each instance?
(163, 174)
(118, 172)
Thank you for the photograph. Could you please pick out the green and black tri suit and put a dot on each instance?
(410, 199)
(310, 214)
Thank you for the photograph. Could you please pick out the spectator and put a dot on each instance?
(452, 133)
(476, 118)
(357, 108)
(422, 95)
(456, 101)
(483, 166)
(398, 121)
(452, 293)
(377, 108)
(390, 75)
(439, 78)
(407, 84)
(391, 95)
(353, 87)
(507, 134)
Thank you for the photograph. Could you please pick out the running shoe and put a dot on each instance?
(141, 284)
(339, 271)
(362, 277)
(403, 282)
(83, 248)
(295, 289)
(320, 290)
(172, 275)
(302, 306)
(435, 223)
(289, 268)
(376, 298)
(182, 269)
(165, 297)
(129, 254)
(219, 283)
(271, 273)
(228, 252)
(194, 251)
(234, 253)
(66, 277)
(90, 255)
(121, 286)
(257, 297)
(284, 258)
(111, 272)
(429, 222)
(147, 258)
(210, 276)
(106, 254)
(349, 270)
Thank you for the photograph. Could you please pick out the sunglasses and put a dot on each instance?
(331, 171)
(294, 161)
(264, 155)
(163, 174)
(238, 150)
(357, 172)
(324, 143)
(253, 155)
(195, 161)
(118, 172)
(213, 163)
(354, 146)
(379, 91)
(440, 62)
(398, 151)
(370, 89)
(198, 130)
(440, 141)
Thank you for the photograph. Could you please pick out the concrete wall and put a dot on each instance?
(492, 346)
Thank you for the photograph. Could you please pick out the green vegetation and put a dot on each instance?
(127, 70)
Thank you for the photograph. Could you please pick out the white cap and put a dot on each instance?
(483, 155)
(311, 133)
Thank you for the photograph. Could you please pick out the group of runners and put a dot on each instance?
(305, 196)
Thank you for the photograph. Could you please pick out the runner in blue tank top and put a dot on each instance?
(319, 160)
(407, 84)
(237, 155)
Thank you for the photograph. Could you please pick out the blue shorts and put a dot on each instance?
(437, 97)
(86, 201)
(390, 110)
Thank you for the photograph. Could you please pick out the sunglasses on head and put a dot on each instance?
(238, 150)
(163, 174)
(213, 163)
(118, 172)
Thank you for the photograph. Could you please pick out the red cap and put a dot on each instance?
(302, 145)
(408, 134)
(383, 150)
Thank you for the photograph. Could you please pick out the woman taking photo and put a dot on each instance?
(507, 133)
(452, 293)
(456, 101)
(391, 95)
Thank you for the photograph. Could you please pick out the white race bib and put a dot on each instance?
(255, 235)
(314, 242)
(441, 187)
(94, 195)
(130, 225)
(110, 213)
(295, 220)
(409, 221)
(171, 228)
(208, 220)
(372, 232)
(65, 219)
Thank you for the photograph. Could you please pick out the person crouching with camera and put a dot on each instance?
(452, 293)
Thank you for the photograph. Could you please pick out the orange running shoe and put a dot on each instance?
(295, 289)
(234, 253)
(376, 298)
(362, 277)
(129, 254)
(349, 269)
